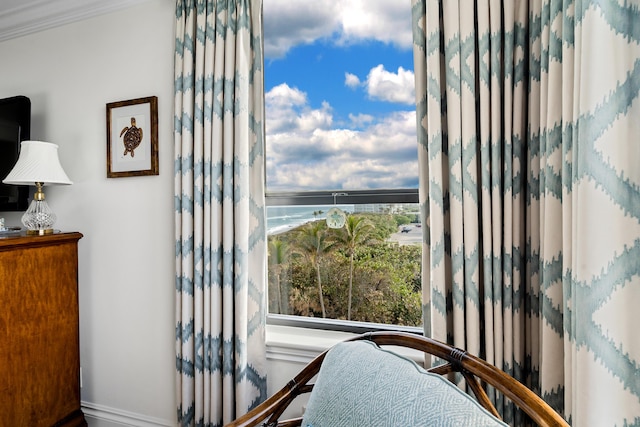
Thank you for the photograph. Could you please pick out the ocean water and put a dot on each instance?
(283, 218)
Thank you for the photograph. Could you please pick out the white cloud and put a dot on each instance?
(391, 87)
(309, 119)
(287, 110)
(288, 23)
(351, 80)
(283, 95)
(360, 120)
(382, 20)
(305, 153)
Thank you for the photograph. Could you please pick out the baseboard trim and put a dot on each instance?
(118, 417)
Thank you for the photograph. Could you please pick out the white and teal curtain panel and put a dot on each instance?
(529, 135)
(220, 214)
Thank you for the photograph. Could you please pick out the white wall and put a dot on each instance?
(126, 261)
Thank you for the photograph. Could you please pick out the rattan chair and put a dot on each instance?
(475, 371)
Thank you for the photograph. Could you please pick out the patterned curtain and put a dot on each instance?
(528, 123)
(220, 213)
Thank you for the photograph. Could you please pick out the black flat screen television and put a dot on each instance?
(15, 127)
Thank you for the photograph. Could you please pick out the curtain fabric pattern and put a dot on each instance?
(528, 122)
(220, 213)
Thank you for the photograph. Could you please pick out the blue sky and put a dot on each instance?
(324, 67)
(339, 95)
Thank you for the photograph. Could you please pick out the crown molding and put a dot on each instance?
(22, 17)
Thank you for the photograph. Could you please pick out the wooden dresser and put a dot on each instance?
(39, 335)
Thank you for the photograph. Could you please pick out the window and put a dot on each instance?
(341, 133)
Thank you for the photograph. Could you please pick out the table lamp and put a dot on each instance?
(38, 165)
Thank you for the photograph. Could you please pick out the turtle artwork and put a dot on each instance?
(132, 137)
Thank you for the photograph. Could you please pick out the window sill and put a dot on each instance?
(301, 345)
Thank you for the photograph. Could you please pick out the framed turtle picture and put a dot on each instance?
(132, 137)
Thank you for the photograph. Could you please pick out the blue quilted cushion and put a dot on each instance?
(360, 384)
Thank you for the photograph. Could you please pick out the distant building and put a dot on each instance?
(391, 208)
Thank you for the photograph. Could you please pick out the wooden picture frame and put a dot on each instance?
(132, 137)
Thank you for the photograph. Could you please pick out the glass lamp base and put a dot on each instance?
(39, 232)
(38, 219)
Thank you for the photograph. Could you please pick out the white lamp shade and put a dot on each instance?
(38, 162)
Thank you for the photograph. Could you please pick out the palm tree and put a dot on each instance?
(356, 230)
(312, 243)
(278, 261)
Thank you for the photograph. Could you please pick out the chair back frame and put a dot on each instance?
(474, 370)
